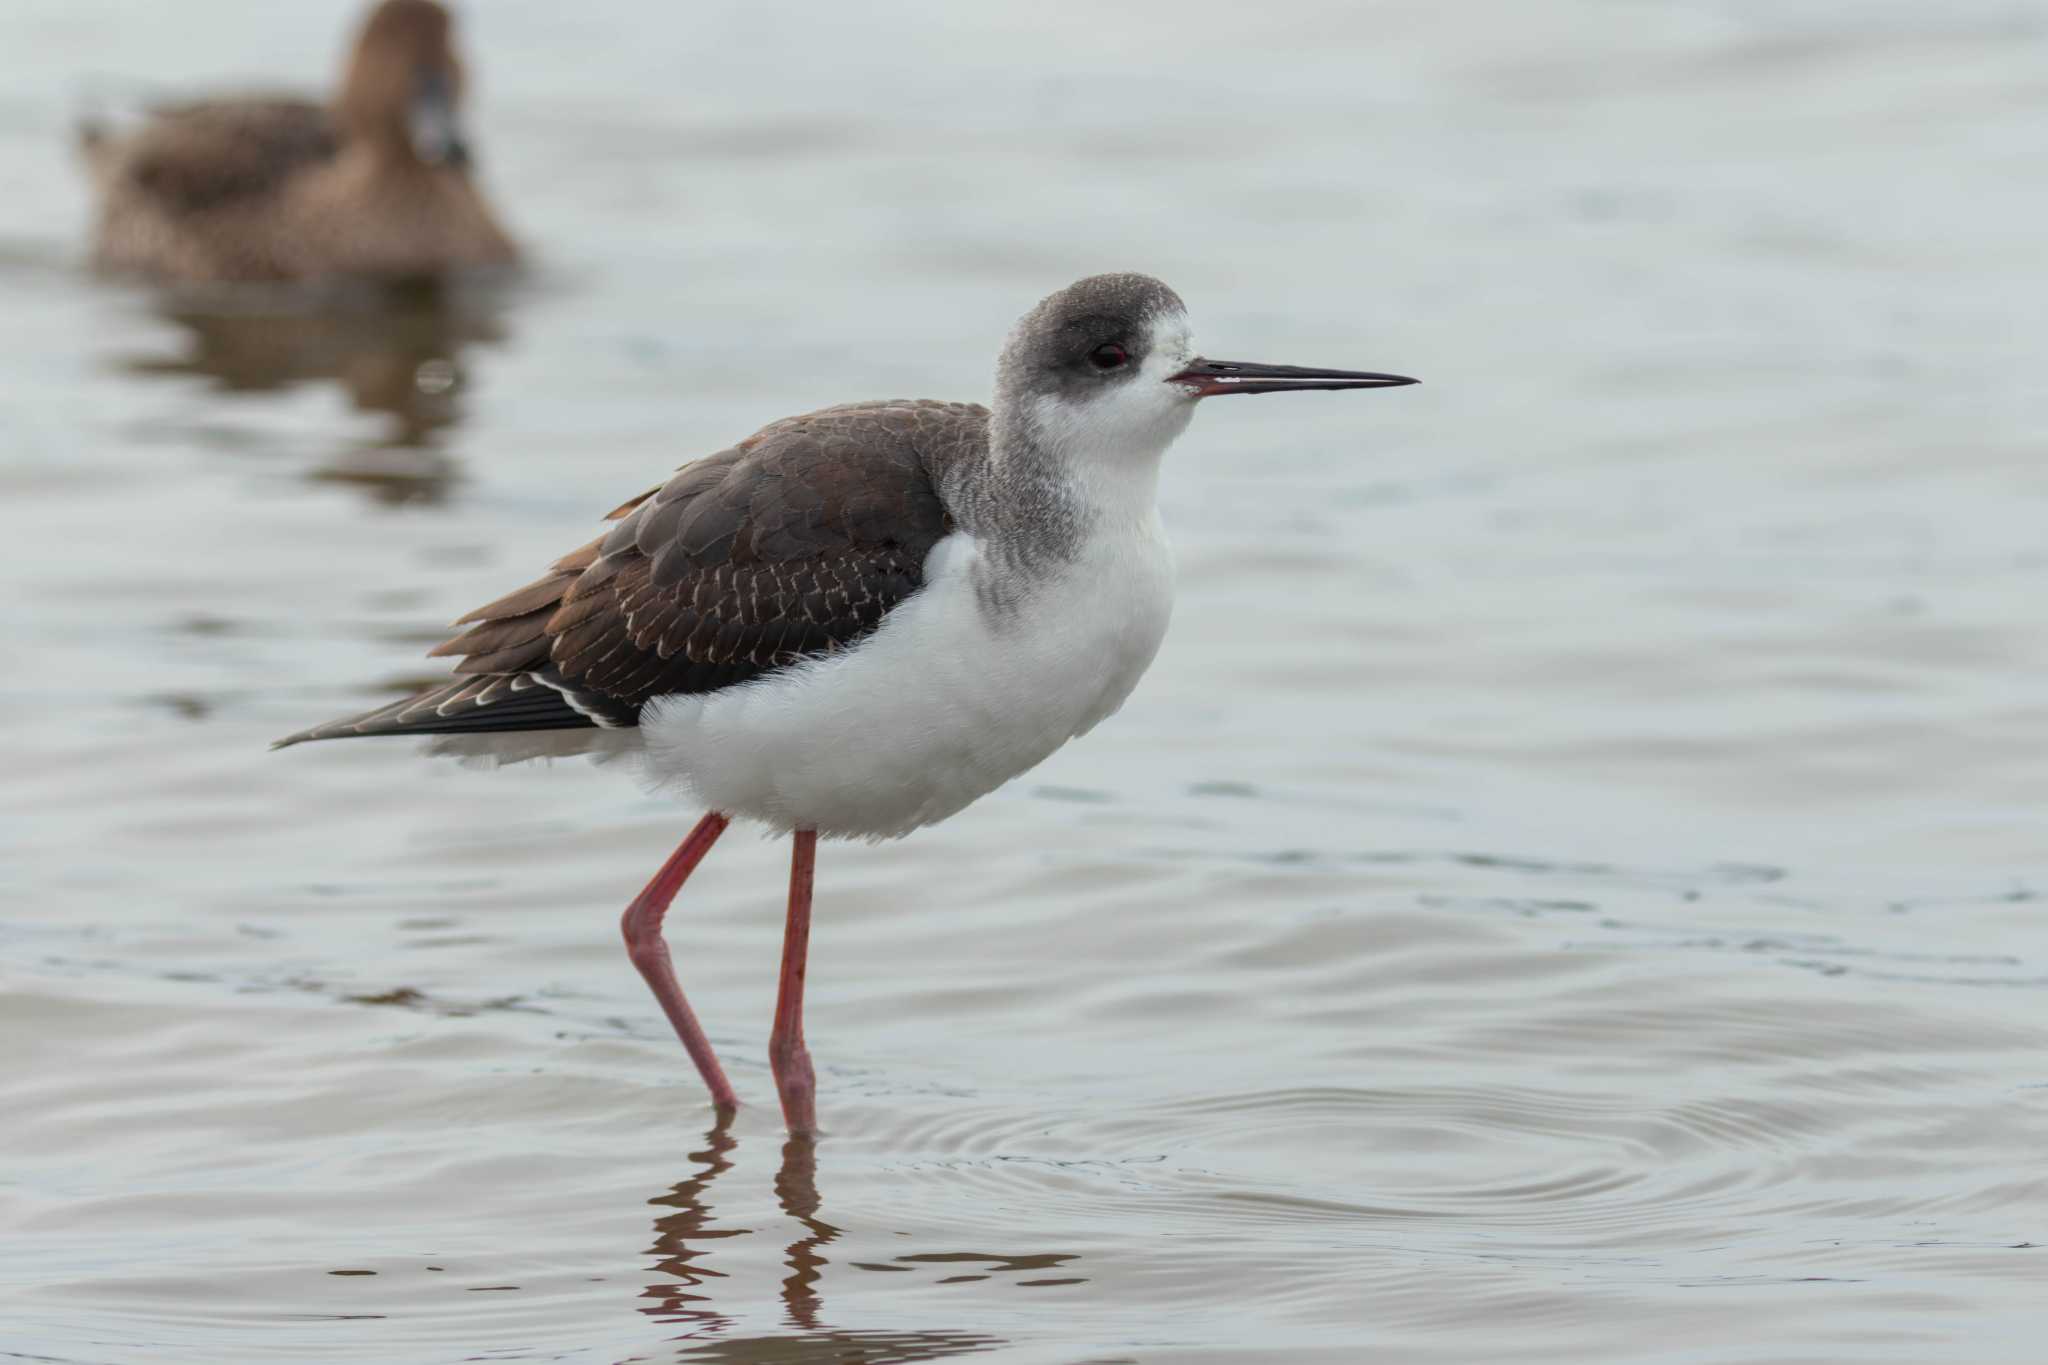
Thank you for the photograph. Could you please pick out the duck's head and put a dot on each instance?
(403, 88)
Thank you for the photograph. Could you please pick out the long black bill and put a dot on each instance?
(432, 123)
(1210, 377)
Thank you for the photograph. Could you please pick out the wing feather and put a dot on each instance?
(194, 157)
(796, 542)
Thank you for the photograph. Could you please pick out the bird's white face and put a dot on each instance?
(1132, 412)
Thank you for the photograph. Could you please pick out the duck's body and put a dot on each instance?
(273, 188)
(856, 622)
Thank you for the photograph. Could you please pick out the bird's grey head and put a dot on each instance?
(1105, 371)
(1087, 370)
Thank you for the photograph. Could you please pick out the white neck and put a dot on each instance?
(1113, 466)
(1106, 449)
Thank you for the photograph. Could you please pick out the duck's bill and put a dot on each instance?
(1209, 378)
(433, 124)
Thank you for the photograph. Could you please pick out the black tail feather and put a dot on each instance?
(494, 704)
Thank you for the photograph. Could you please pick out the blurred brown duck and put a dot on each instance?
(257, 188)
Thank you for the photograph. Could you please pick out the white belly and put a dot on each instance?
(941, 705)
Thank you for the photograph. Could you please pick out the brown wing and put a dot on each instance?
(194, 157)
(794, 543)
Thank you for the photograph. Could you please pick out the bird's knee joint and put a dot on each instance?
(645, 949)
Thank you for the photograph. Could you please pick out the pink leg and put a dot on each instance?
(787, 1055)
(644, 944)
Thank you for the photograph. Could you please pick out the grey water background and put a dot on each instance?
(1570, 888)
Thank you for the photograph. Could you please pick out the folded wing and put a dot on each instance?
(792, 544)
(192, 158)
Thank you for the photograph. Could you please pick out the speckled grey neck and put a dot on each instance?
(1018, 494)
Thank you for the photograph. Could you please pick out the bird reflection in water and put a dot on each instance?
(395, 349)
(686, 1237)
(796, 1190)
(680, 1240)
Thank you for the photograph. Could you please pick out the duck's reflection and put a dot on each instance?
(394, 350)
(684, 1238)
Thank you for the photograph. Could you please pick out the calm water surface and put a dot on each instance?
(1569, 890)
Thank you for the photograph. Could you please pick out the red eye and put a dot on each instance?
(1108, 356)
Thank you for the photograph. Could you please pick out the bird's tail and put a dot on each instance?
(104, 111)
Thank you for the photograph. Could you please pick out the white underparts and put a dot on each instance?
(940, 706)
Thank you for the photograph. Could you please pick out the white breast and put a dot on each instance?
(941, 705)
